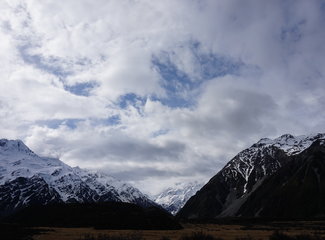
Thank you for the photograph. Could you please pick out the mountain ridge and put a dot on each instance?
(22, 172)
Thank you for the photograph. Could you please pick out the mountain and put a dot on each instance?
(28, 179)
(174, 198)
(295, 190)
(261, 178)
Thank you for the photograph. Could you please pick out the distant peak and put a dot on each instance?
(264, 141)
(287, 136)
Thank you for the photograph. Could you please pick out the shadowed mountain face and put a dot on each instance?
(296, 190)
(27, 179)
(110, 215)
(276, 178)
(35, 189)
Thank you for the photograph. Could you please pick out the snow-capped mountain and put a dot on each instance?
(26, 179)
(262, 158)
(232, 187)
(174, 198)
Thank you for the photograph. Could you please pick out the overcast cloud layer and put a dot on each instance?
(156, 92)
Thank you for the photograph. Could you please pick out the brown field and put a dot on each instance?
(226, 232)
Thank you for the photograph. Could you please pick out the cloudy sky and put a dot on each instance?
(157, 92)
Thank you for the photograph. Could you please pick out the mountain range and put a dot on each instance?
(274, 178)
(27, 179)
(279, 178)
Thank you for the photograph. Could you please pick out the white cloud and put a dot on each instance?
(48, 46)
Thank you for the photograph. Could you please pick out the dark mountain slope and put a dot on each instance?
(33, 191)
(225, 192)
(296, 190)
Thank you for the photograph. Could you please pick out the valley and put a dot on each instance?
(234, 231)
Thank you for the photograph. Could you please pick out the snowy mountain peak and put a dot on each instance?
(14, 146)
(286, 136)
(252, 160)
(174, 198)
(290, 144)
(264, 141)
(22, 171)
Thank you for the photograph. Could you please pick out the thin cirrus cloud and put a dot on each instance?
(159, 91)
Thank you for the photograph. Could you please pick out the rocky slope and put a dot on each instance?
(296, 190)
(230, 191)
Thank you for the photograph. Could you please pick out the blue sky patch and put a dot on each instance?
(179, 86)
(159, 133)
(213, 66)
(51, 66)
(111, 120)
(131, 99)
(56, 123)
(81, 89)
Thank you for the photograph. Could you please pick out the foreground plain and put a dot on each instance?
(225, 231)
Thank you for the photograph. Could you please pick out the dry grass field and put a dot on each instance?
(226, 232)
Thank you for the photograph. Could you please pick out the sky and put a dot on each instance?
(159, 92)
